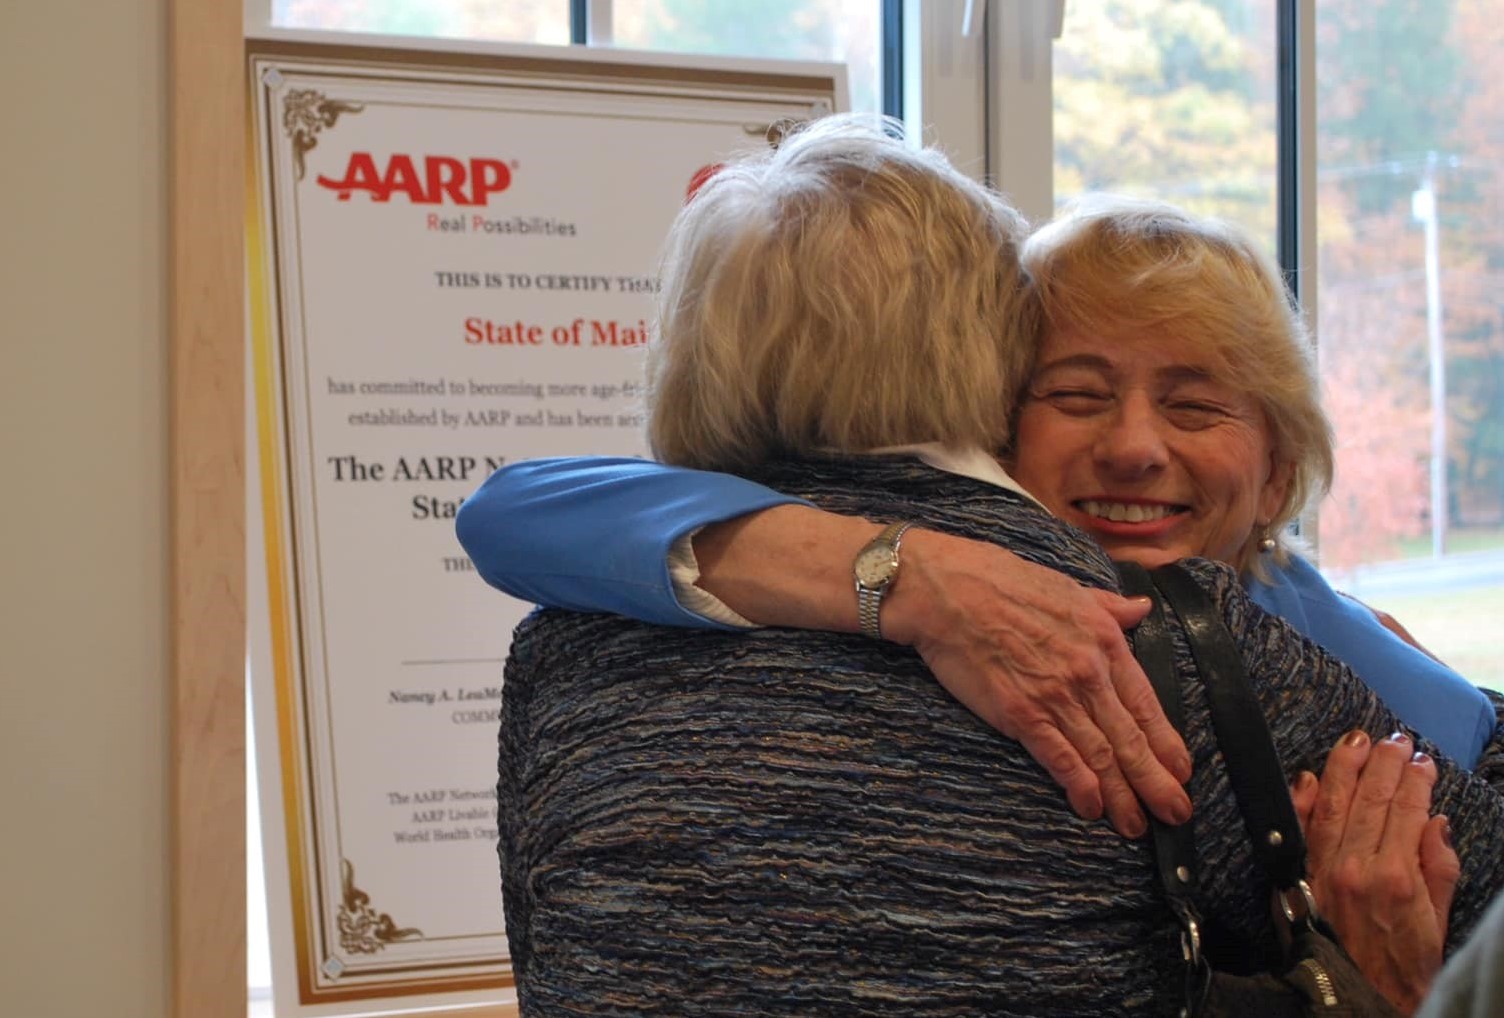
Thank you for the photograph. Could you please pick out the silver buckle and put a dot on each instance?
(1307, 899)
(1190, 941)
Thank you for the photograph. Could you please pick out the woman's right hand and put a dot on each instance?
(1045, 661)
(1381, 867)
(1032, 653)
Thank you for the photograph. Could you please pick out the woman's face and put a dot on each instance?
(1136, 442)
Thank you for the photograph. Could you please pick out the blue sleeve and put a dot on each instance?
(1427, 695)
(593, 533)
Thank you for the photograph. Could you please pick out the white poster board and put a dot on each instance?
(452, 265)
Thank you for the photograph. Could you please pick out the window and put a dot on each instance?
(1411, 319)
(541, 21)
(833, 30)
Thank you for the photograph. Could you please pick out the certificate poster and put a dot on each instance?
(453, 265)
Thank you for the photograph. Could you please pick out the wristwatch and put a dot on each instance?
(876, 570)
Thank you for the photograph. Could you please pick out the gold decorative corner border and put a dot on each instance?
(305, 113)
(363, 930)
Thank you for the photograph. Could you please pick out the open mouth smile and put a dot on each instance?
(1128, 512)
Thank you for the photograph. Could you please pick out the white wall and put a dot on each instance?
(84, 692)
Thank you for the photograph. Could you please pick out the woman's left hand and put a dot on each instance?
(1381, 867)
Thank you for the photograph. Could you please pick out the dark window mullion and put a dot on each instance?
(892, 57)
(579, 22)
(1288, 195)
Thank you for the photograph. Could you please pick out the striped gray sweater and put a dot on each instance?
(785, 822)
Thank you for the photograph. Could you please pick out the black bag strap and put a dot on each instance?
(1253, 764)
(1174, 847)
(1258, 782)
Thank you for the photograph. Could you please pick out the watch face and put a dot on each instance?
(875, 566)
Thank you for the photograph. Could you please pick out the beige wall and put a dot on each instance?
(84, 682)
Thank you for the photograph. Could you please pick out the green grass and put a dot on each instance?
(1459, 540)
(1464, 628)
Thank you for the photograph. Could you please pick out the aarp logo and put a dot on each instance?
(429, 180)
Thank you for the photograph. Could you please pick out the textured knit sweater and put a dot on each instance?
(788, 822)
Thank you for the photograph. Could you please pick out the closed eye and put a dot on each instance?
(1076, 401)
(1194, 415)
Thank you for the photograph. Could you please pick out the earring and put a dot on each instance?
(1267, 543)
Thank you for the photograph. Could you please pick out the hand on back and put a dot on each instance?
(1045, 661)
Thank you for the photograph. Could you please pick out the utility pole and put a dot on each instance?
(1423, 210)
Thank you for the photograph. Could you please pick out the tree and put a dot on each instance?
(1402, 82)
(1172, 98)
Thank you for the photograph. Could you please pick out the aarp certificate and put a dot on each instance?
(453, 264)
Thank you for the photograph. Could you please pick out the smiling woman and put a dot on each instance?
(1174, 376)
(1141, 447)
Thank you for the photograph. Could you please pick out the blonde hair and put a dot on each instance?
(1115, 266)
(842, 292)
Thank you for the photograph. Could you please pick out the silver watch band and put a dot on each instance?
(867, 604)
(869, 600)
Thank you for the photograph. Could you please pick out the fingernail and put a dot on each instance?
(1399, 738)
(1446, 833)
(1420, 758)
(1357, 739)
(1307, 779)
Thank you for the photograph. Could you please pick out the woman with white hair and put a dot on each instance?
(803, 822)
